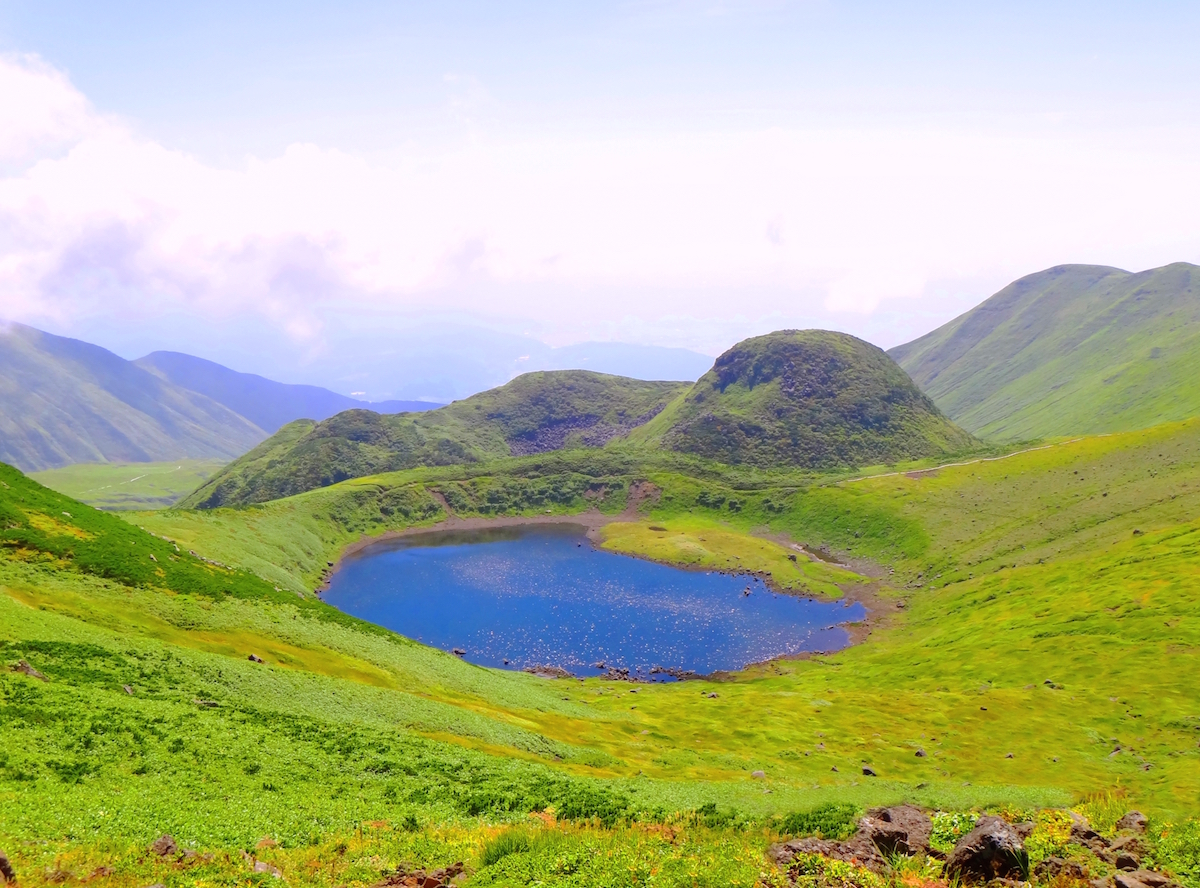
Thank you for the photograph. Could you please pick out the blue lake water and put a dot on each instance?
(542, 595)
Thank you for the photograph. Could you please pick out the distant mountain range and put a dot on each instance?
(1075, 349)
(63, 401)
(267, 404)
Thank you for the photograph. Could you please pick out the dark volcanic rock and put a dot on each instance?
(912, 821)
(858, 850)
(1058, 867)
(1141, 879)
(992, 850)
(1134, 821)
(24, 667)
(883, 832)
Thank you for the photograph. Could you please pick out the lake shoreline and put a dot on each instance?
(865, 594)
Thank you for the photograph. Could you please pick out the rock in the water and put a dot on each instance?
(992, 850)
(7, 873)
(1134, 821)
(164, 846)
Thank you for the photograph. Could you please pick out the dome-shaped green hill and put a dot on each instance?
(809, 398)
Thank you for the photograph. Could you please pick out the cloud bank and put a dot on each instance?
(674, 238)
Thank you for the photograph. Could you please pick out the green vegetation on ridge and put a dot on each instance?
(808, 398)
(795, 400)
(1075, 349)
(535, 413)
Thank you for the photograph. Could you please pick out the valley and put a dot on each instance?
(1029, 646)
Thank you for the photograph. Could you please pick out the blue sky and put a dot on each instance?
(673, 173)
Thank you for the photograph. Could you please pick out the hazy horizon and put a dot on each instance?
(280, 189)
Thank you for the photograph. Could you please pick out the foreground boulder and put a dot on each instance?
(7, 873)
(992, 850)
(882, 832)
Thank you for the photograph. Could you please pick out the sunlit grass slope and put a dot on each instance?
(120, 486)
(1075, 349)
(1064, 515)
(1047, 630)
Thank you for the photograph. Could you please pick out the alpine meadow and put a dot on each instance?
(574, 446)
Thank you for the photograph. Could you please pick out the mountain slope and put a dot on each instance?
(805, 398)
(1075, 349)
(535, 413)
(266, 403)
(63, 401)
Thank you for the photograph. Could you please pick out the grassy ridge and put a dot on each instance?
(534, 413)
(63, 401)
(1076, 349)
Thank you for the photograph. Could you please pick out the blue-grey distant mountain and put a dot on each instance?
(63, 401)
(268, 404)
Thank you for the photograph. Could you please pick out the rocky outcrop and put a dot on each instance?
(164, 846)
(992, 850)
(1134, 821)
(1058, 868)
(992, 853)
(1140, 879)
(417, 878)
(881, 833)
(26, 669)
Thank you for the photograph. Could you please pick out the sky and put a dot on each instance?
(281, 185)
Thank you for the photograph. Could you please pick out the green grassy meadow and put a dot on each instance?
(1040, 605)
(134, 486)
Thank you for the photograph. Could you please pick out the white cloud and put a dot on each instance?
(662, 229)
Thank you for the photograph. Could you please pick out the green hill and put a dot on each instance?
(63, 401)
(805, 398)
(1075, 349)
(535, 413)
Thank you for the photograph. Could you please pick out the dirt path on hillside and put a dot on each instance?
(916, 473)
